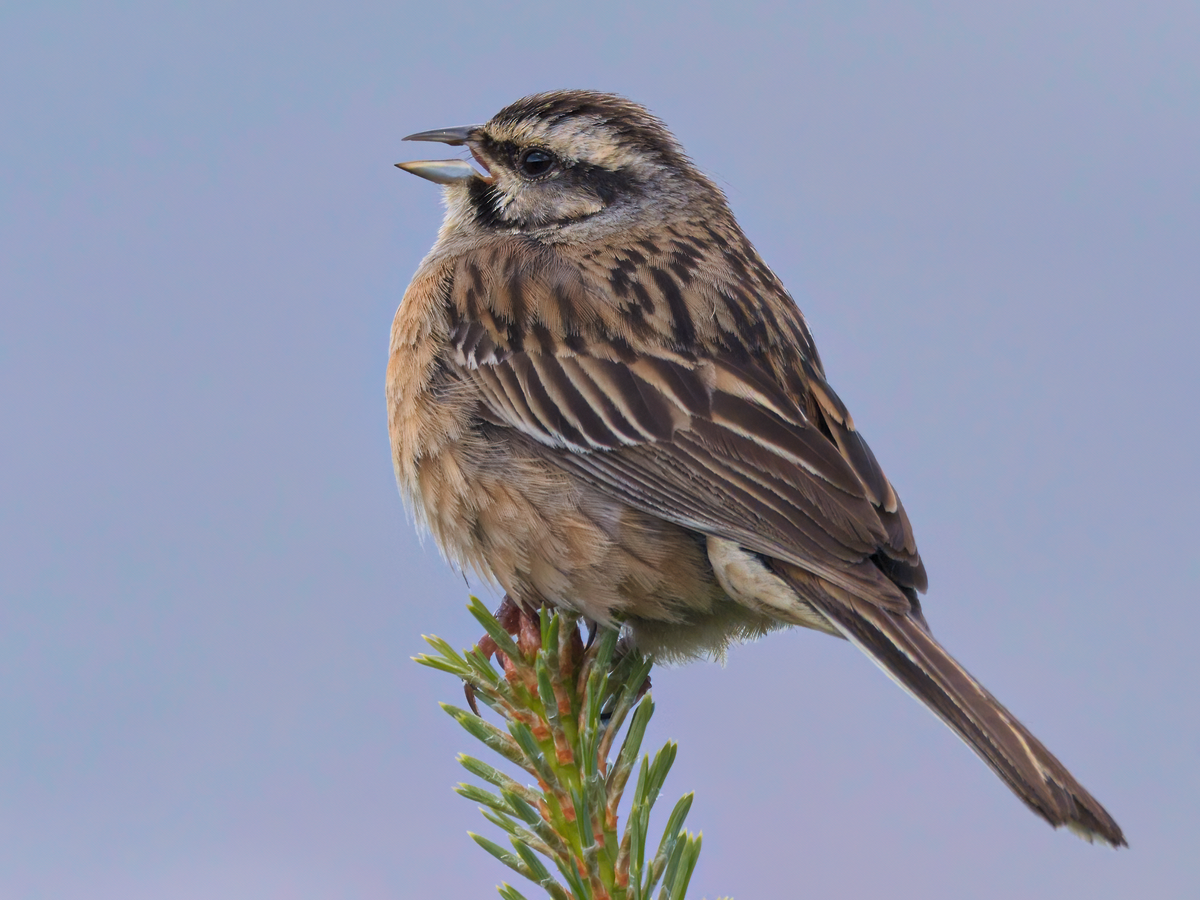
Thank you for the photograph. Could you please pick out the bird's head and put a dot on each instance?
(566, 165)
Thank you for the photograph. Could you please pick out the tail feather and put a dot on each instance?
(908, 653)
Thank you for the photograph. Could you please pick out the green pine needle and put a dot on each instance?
(563, 707)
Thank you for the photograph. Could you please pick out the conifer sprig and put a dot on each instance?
(563, 706)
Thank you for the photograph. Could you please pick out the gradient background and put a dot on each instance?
(210, 590)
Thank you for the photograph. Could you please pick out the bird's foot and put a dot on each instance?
(523, 624)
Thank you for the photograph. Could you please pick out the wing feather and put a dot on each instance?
(702, 436)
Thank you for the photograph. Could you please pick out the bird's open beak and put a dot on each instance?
(443, 171)
(455, 137)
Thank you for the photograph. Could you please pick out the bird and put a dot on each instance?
(600, 398)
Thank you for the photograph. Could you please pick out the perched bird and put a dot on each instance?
(601, 398)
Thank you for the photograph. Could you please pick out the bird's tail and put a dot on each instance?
(919, 664)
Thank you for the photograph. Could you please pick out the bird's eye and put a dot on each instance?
(535, 162)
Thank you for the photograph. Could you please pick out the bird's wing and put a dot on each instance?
(713, 445)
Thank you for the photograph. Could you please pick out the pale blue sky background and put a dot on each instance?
(209, 591)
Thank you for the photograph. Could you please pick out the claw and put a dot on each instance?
(642, 690)
(469, 690)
